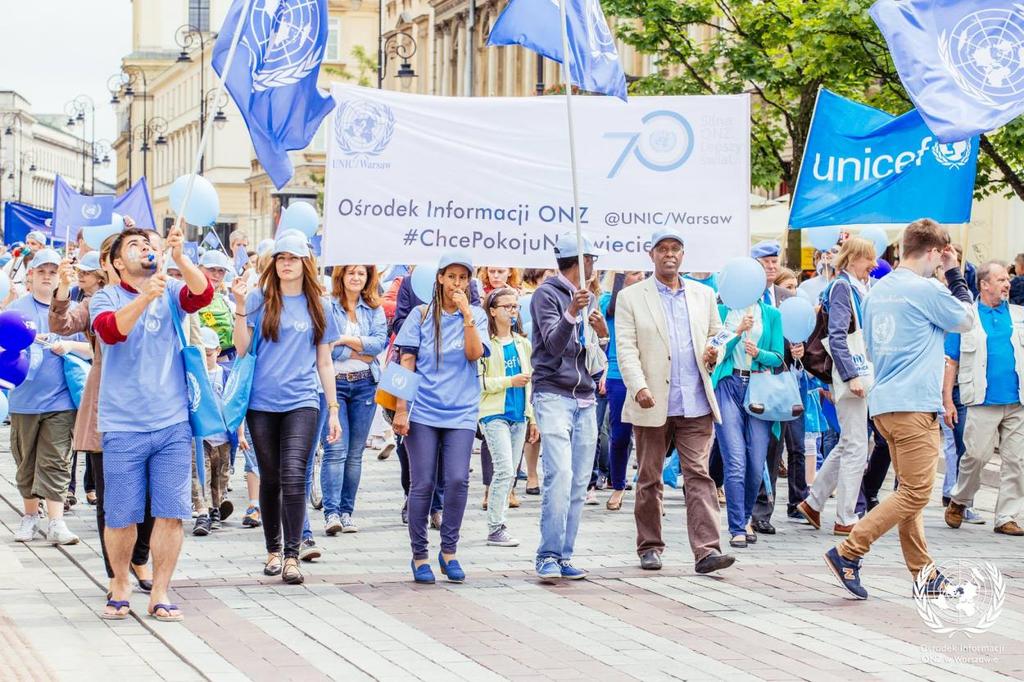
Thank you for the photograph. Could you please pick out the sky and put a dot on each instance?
(53, 50)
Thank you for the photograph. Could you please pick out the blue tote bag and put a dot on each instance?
(204, 413)
(238, 387)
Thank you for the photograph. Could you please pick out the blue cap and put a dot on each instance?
(765, 249)
(565, 246)
(44, 256)
(292, 243)
(455, 258)
(265, 247)
(215, 259)
(667, 233)
(36, 235)
(90, 262)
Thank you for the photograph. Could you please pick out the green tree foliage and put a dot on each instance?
(782, 52)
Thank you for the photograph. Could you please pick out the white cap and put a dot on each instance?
(209, 338)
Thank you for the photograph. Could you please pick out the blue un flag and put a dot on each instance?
(273, 76)
(536, 24)
(961, 61)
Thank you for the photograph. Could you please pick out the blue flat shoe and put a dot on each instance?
(424, 574)
(452, 569)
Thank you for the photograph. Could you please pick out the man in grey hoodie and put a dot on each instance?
(564, 402)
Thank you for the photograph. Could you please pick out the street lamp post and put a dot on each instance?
(154, 127)
(401, 45)
(187, 37)
(76, 109)
(9, 122)
(24, 157)
(115, 84)
(134, 73)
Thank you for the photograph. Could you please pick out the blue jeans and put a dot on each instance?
(343, 460)
(430, 448)
(621, 434)
(744, 444)
(505, 440)
(569, 436)
(826, 441)
(321, 429)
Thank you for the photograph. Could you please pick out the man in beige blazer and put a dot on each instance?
(664, 329)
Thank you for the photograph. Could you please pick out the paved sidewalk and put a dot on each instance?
(776, 615)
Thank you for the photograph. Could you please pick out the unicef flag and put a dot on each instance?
(961, 61)
(536, 24)
(273, 76)
(862, 165)
(72, 210)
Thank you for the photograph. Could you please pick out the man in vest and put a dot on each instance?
(989, 361)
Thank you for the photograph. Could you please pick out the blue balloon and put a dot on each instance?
(797, 319)
(301, 216)
(823, 238)
(741, 282)
(875, 234)
(94, 235)
(5, 285)
(204, 204)
(4, 406)
(15, 334)
(525, 316)
(423, 278)
(13, 368)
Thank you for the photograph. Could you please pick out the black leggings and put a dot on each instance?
(283, 441)
(140, 553)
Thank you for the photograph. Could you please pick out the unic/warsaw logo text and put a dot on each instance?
(984, 53)
(970, 602)
(663, 144)
(362, 127)
(281, 39)
(872, 166)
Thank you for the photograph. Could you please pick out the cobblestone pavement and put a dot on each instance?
(776, 615)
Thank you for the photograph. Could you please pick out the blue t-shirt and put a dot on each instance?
(45, 389)
(711, 281)
(515, 398)
(613, 355)
(905, 316)
(449, 392)
(1001, 371)
(285, 378)
(142, 383)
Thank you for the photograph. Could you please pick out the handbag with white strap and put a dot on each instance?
(858, 352)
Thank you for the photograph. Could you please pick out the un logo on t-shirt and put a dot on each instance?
(152, 324)
(301, 326)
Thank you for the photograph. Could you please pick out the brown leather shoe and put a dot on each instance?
(840, 529)
(954, 514)
(1009, 528)
(813, 517)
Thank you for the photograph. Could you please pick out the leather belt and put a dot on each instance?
(354, 376)
(741, 373)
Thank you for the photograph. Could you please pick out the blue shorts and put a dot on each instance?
(155, 462)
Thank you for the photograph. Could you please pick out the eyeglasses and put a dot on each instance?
(511, 307)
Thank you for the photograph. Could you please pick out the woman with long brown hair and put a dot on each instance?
(292, 329)
(356, 305)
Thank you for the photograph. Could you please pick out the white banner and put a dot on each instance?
(412, 176)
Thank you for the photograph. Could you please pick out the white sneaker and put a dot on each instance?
(347, 525)
(58, 533)
(27, 530)
(333, 524)
(591, 497)
(972, 516)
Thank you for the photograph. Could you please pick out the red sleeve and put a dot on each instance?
(105, 326)
(191, 303)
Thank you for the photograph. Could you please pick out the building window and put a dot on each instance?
(333, 40)
(199, 14)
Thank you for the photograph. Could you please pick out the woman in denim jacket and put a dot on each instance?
(356, 305)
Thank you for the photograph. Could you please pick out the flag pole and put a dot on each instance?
(567, 80)
(208, 124)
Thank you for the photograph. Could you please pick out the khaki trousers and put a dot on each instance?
(692, 438)
(41, 446)
(989, 426)
(913, 439)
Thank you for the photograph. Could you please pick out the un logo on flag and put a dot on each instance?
(984, 53)
(282, 41)
(953, 155)
(363, 127)
(91, 211)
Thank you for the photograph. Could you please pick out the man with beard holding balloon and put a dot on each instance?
(148, 451)
(42, 409)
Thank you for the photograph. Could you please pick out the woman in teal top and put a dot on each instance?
(743, 439)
